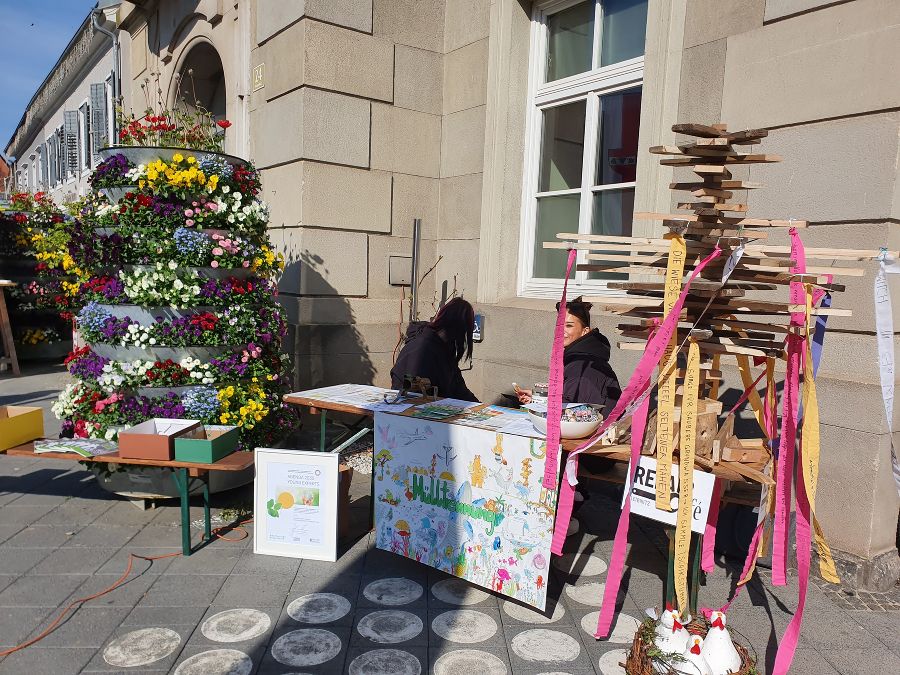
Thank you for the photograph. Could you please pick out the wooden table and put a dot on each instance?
(743, 482)
(182, 472)
(6, 337)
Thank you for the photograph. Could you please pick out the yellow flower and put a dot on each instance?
(177, 157)
(191, 159)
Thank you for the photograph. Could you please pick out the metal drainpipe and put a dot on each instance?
(414, 282)
(116, 74)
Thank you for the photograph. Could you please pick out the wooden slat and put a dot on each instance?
(713, 193)
(723, 185)
(737, 222)
(736, 160)
(236, 461)
(747, 135)
(701, 130)
(711, 208)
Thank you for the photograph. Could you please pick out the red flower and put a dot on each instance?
(224, 123)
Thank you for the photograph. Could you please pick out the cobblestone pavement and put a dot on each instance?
(226, 610)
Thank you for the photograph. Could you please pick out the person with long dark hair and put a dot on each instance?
(434, 349)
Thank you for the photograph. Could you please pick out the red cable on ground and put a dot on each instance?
(131, 558)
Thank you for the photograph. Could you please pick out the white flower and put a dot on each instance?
(225, 189)
(238, 196)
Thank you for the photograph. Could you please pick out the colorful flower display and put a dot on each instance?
(179, 308)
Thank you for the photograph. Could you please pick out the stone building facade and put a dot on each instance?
(501, 122)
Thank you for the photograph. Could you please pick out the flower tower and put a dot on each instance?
(33, 254)
(180, 315)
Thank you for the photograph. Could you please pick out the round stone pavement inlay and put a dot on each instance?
(141, 647)
(580, 564)
(216, 662)
(319, 608)
(468, 661)
(590, 594)
(390, 626)
(464, 626)
(236, 625)
(306, 647)
(457, 592)
(385, 662)
(393, 591)
(528, 615)
(548, 646)
(609, 662)
(622, 632)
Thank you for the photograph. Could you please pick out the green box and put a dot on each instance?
(206, 444)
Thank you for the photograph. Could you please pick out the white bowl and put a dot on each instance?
(566, 429)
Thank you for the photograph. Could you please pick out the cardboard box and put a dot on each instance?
(20, 424)
(206, 445)
(154, 439)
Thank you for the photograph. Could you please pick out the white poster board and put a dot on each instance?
(295, 503)
(643, 495)
(466, 501)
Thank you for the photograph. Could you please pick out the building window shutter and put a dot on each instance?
(99, 122)
(70, 121)
(45, 173)
(62, 168)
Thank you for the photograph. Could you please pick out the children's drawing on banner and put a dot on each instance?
(466, 501)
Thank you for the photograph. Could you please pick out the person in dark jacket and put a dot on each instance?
(587, 375)
(434, 349)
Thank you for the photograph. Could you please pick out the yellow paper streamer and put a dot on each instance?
(810, 449)
(688, 433)
(668, 375)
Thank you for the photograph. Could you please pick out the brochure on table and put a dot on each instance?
(295, 503)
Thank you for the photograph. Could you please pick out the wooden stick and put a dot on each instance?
(735, 159)
(743, 222)
(721, 185)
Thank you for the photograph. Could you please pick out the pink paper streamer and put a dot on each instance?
(555, 385)
(638, 386)
(617, 560)
(788, 644)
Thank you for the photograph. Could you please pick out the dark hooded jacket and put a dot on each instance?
(426, 354)
(588, 377)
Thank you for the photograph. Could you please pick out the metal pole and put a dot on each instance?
(414, 283)
(116, 84)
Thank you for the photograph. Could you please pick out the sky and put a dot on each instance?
(33, 36)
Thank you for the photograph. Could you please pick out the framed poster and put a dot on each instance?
(295, 503)
(467, 501)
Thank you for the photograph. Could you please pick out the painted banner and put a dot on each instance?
(466, 501)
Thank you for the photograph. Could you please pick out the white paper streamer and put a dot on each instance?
(884, 327)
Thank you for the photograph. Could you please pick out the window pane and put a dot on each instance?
(562, 147)
(624, 27)
(554, 214)
(613, 211)
(571, 41)
(620, 117)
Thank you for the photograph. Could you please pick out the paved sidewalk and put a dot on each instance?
(226, 610)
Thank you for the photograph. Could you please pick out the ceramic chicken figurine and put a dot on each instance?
(718, 649)
(670, 635)
(693, 663)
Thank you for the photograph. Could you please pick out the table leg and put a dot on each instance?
(207, 523)
(6, 333)
(669, 589)
(180, 476)
(322, 420)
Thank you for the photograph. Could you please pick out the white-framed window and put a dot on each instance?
(586, 69)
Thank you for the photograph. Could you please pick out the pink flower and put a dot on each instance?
(214, 263)
(193, 203)
(212, 206)
(217, 251)
(188, 212)
(189, 222)
(246, 263)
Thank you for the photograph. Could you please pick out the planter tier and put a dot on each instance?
(119, 353)
(138, 155)
(205, 272)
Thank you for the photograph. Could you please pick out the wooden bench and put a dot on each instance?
(182, 473)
